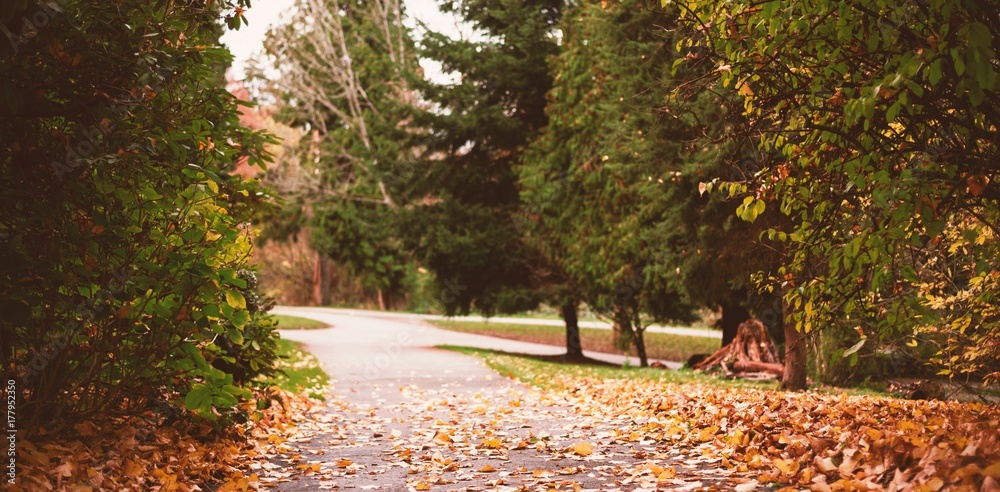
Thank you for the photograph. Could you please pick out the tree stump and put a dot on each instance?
(751, 352)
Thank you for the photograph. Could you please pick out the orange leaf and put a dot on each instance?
(442, 438)
(583, 448)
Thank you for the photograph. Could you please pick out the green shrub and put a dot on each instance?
(123, 229)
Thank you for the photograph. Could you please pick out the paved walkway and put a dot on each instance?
(407, 416)
(418, 333)
(673, 330)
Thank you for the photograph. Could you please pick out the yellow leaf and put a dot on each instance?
(543, 473)
(344, 463)
(788, 467)
(492, 443)
(315, 467)
(583, 448)
(487, 469)
(874, 434)
(422, 486)
(668, 473)
(442, 438)
(992, 470)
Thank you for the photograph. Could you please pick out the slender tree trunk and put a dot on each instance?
(621, 332)
(385, 301)
(321, 280)
(795, 352)
(569, 314)
(733, 314)
(638, 337)
(640, 345)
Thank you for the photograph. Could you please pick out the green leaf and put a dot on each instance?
(236, 300)
(240, 318)
(235, 334)
(893, 111)
(199, 398)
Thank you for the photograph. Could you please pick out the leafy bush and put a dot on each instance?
(123, 233)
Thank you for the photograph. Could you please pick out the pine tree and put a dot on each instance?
(589, 176)
(467, 226)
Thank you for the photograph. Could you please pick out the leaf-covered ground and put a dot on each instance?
(586, 431)
(148, 453)
(577, 428)
(483, 433)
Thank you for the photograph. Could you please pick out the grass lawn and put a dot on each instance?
(658, 345)
(296, 323)
(547, 374)
(299, 371)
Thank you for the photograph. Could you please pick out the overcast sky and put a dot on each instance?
(250, 39)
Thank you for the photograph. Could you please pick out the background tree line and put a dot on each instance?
(826, 167)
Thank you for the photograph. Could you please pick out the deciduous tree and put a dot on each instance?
(877, 123)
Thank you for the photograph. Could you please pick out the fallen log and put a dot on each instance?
(753, 366)
(752, 351)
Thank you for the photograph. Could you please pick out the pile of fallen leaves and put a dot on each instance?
(145, 452)
(814, 441)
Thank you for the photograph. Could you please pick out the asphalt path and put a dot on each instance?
(395, 395)
(672, 330)
(372, 342)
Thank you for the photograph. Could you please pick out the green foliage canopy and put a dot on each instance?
(878, 126)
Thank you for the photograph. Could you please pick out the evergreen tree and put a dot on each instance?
(467, 227)
(606, 150)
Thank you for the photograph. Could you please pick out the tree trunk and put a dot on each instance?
(733, 313)
(635, 327)
(321, 280)
(573, 346)
(751, 351)
(794, 377)
(386, 299)
(621, 332)
(640, 346)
